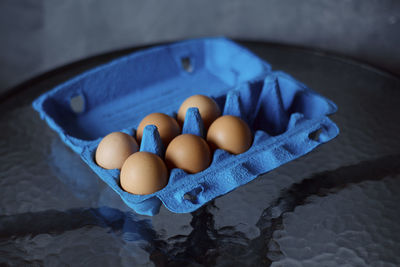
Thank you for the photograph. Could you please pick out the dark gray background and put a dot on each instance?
(39, 35)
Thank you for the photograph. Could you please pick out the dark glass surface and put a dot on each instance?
(336, 206)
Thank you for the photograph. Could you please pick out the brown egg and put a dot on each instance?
(143, 173)
(208, 108)
(188, 152)
(230, 133)
(167, 127)
(114, 149)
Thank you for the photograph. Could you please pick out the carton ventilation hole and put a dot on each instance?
(190, 197)
(187, 64)
(77, 104)
(315, 135)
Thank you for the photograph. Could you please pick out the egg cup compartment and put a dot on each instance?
(282, 113)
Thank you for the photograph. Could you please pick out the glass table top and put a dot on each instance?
(336, 206)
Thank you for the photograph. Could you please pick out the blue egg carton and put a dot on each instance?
(287, 118)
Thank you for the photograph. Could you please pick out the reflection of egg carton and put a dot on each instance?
(283, 114)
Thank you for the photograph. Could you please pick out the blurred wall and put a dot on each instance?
(39, 35)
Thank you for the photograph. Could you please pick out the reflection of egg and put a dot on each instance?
(143, 173)
(167, 127)
(189, 153)
(208, 108)
(114, 149)
(230, 133)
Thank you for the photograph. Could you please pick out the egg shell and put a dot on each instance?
(230, 133)
(114, 149)
(167, 127)
(143, 173)
(208, 108)
(188, 152)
